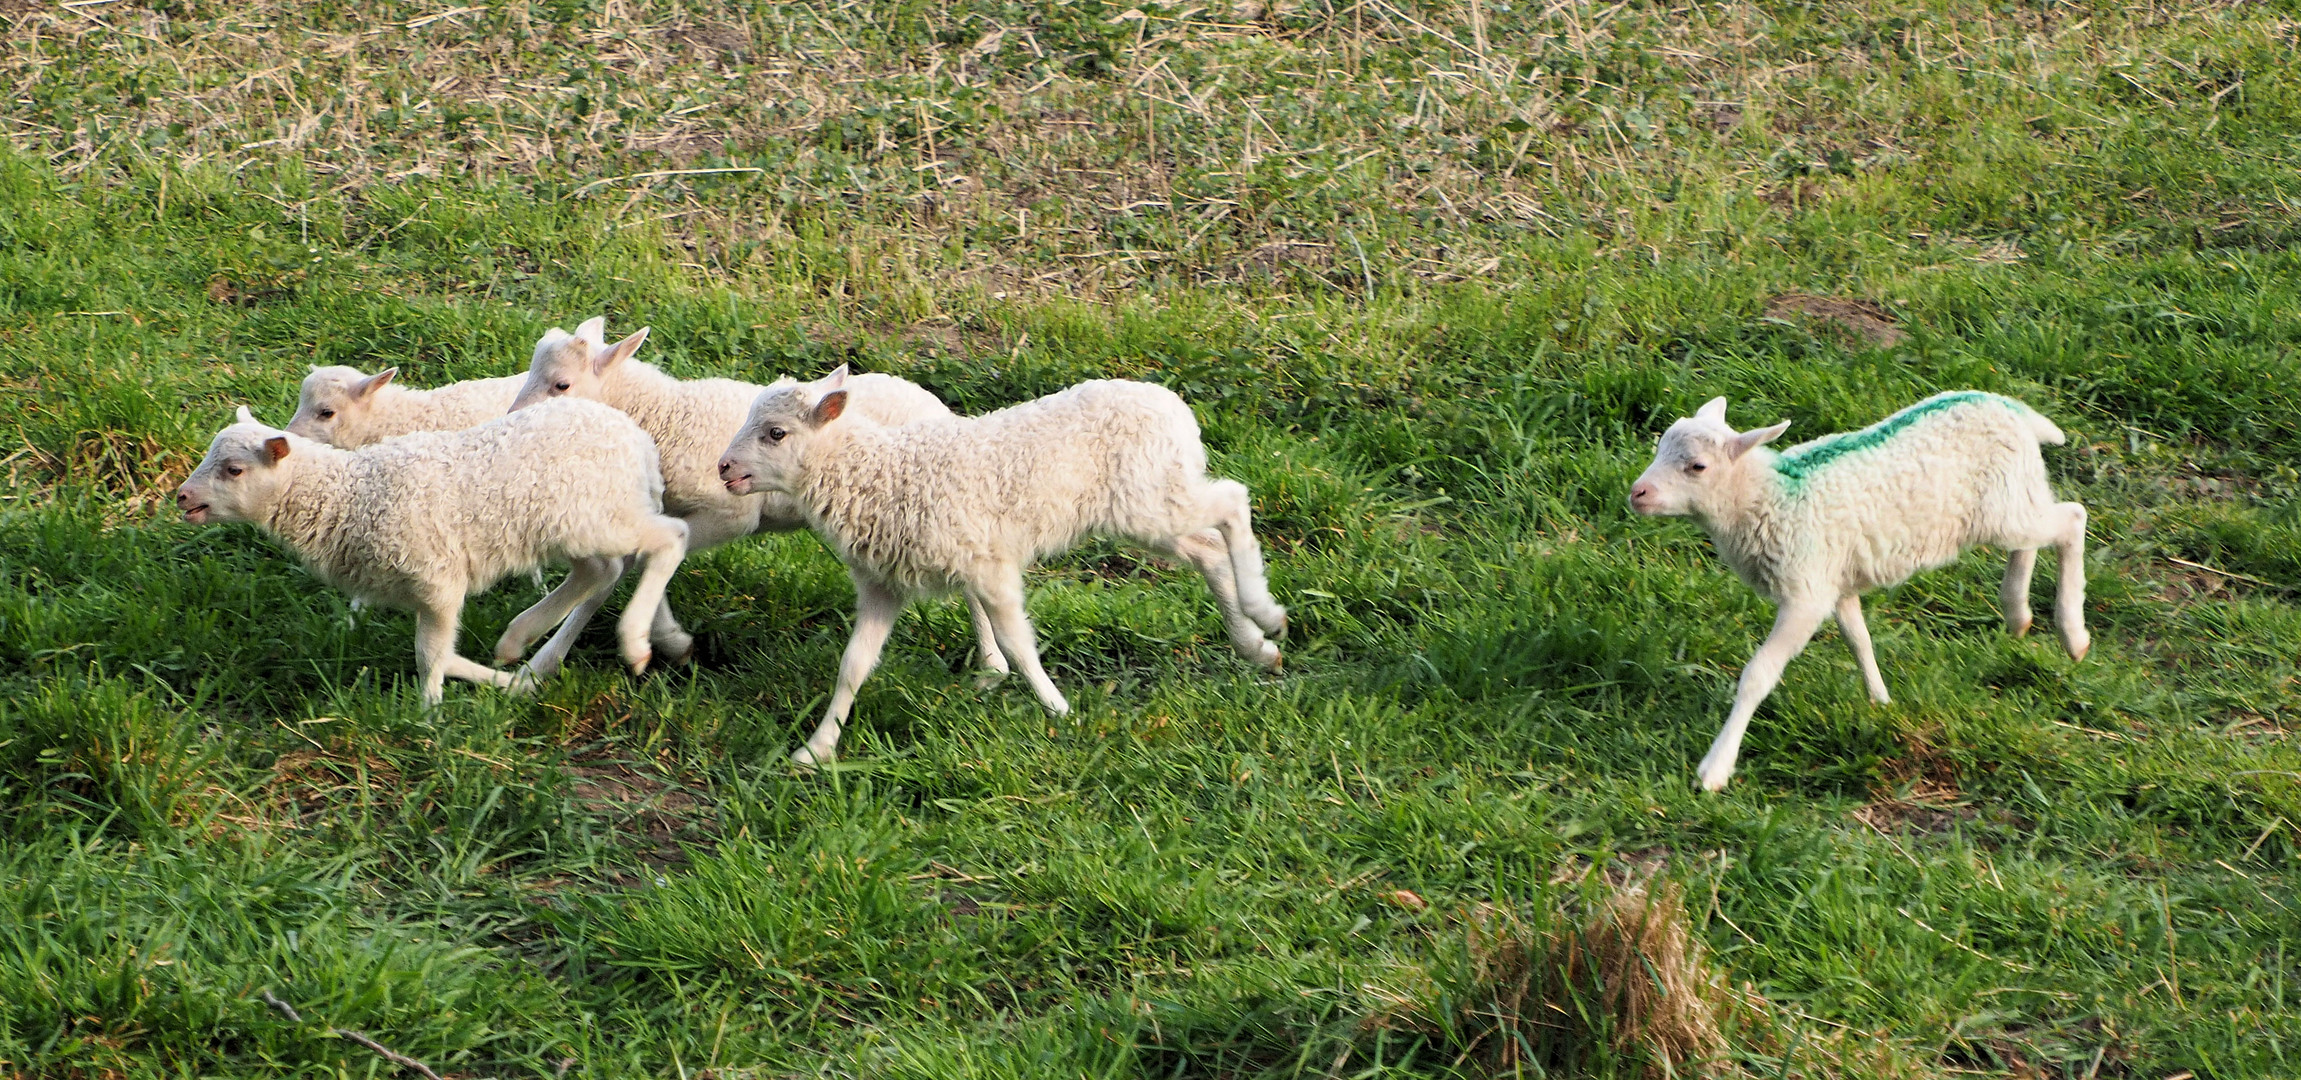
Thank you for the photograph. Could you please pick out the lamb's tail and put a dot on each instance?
(2047, 434)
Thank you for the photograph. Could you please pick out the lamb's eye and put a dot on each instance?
(560, 386)
(233, 470)
(1696, 466)
(327, 414)
(775, 434)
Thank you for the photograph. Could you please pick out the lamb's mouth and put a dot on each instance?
(740, 485)
(197, 514)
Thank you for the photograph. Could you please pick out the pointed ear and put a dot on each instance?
(374, 382)
(1714, 409)
(1755, 437)
(836, 379)
(276, 448)
(244, 417)
(621, 352)
(829, 408)
(593, 330)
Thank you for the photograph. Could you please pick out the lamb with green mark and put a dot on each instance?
(1814, 527)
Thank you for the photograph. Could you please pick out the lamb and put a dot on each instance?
(1815, 526)
(691, 420)
(969, 502)
(349, 408)
(424, 520)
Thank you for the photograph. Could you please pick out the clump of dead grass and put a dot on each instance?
(1631, 982)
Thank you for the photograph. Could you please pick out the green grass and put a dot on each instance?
(1435, 276)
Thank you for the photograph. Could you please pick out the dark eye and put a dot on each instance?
(233, 470)
(1696, 467)
(327, 414)
(774, 435)
(561, 387)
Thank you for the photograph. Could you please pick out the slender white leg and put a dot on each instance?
(876, 607)
(994, 662)
(1794, 625)
(1210, 553)
(554, 607)
(1003, 601)
(2013, 596)
(2069, 598)
(600, 575)
(1233, 511)
(676, 645)
(1857, 634)
(661, 556)
(435, 657)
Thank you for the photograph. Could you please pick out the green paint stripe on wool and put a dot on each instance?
(1799, 463)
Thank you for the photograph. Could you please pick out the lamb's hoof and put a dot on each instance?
(2020, 629)
(507, 657)
(1711, 776)
(1714, 783)
(989, 678)
(2078, 644)
(525, 682)
(678, 650)
(639, 663)
(1268, 657)
(808, 759)
(1276, 628)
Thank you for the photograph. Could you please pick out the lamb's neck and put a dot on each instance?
(1745, 522)
(637, 385)
(314, 502)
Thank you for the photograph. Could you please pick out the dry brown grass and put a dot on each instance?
(1631, 981)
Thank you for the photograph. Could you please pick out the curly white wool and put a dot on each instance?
(691, 421)
(424, 520)
(968, 503)
(1815, 526)
(349, 408)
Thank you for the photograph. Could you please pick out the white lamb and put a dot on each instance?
(969, 502)
(349, 408)
(1815, 526)
(422, 521)
(691, 420)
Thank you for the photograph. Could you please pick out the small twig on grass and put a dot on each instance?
(387, 1053)
(2226, 574)
(597, 184)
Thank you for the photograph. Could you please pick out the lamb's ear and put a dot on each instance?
(621, 352)
(245, 417)
(593, 330)
(1714, 409)
(1755, 437)
(374, 382)
(829, 408)
(836, 379)
(276, 448)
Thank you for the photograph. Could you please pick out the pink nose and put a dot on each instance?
(183, 498)
(724, 465)
(1641, 492)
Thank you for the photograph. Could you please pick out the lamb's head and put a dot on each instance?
(574, 365)
(1698, 465)
(246, 466)
(334, 400)
(767, 450)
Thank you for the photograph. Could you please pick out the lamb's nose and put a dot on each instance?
(182, 498)
(724, 465)
(1639, 492)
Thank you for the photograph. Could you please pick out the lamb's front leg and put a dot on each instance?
(987, 646)
(1857, 635)
(1003, 602)
(1794, 625)
(876, 607)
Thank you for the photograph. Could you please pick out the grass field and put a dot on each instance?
(1435, 276)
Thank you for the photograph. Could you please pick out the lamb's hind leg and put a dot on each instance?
(2069, 598)
(1231, 509)
(664, 549)
(1207, 551)
(555, 607)
(600, 574)
(1002, 600)
(2013, 595)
